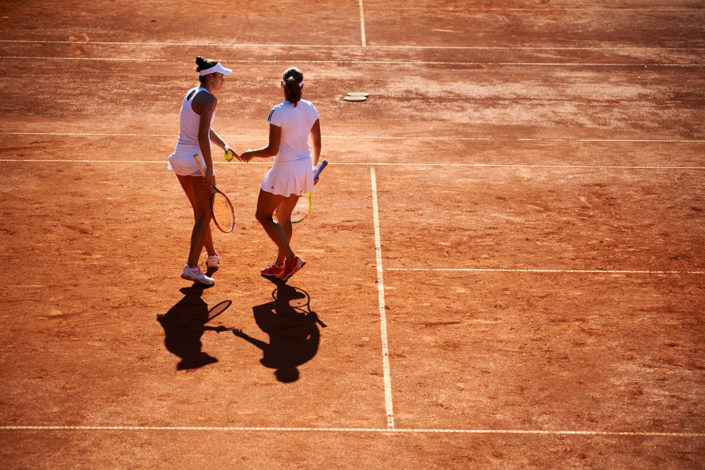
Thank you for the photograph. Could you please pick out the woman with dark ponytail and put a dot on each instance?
(290, 124)
(292, 90)
(195, 137)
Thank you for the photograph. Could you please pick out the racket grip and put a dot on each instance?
(198, 162)
(320, 168)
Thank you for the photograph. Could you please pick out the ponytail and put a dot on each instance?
(293, 81)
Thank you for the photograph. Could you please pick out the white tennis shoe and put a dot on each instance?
(196, 275)
(213, 261)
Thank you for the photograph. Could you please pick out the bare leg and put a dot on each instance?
(199, 197)
(267, 203)
(207, 238)
(284, 210)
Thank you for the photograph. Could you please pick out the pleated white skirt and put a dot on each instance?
(287, 178)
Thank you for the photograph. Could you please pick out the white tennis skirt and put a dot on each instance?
(182, 163)
(287, 178)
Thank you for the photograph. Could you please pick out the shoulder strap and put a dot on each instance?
(192, 92)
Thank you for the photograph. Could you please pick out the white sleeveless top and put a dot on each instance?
(181, 161)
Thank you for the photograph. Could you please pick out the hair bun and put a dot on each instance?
(200, 60)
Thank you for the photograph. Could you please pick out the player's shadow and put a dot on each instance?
(184, 325)
(292, 328)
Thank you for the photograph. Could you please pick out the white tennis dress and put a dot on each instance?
(292, 172)
(181, 161)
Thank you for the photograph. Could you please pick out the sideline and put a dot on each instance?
(362, 25)
(382, 305)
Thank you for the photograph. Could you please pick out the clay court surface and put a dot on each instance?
(505, 254)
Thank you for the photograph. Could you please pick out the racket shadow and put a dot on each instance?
(292, 328)
(184, 324)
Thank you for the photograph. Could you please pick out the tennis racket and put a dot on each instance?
(303, 206)
(221, 208)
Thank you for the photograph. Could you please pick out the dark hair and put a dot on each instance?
(292, 91)
(202, 64)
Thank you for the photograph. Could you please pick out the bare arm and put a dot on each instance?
(204, 105)
(217, 140)
(275, 135)
(316, 142)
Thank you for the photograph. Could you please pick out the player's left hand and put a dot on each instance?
(230, 149)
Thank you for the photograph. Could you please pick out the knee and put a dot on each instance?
(203, 218)
(263, 217)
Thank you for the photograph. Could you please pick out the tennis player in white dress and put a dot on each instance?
(290, 125)
(195, 136)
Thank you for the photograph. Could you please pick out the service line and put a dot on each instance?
(677, 434)
(121, 59)
(414, 138)
(382, 164)
(381, 62)
(610, 48)
(382, 305)
(538, 271)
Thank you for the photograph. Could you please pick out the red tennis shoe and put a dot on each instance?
(272, 271)
(291, 267)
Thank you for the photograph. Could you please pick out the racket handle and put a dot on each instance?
(320, 168)
(198, 162)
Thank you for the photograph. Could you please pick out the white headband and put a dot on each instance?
(217, 68)
(301, 83)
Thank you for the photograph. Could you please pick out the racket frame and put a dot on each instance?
(318, 171)
(212, 197)
(308, 209)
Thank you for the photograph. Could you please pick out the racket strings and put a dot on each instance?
(302, 208)
(223, 213)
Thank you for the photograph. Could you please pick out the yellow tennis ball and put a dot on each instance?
(228, 155)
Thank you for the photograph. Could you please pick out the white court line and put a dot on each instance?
(380, 164)
(123, 59)
(353, 46)
(464, 63)
(372, 137)
(383, 62)
(575, 271)
(382, 305)
(356, 430)
(362, 25)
